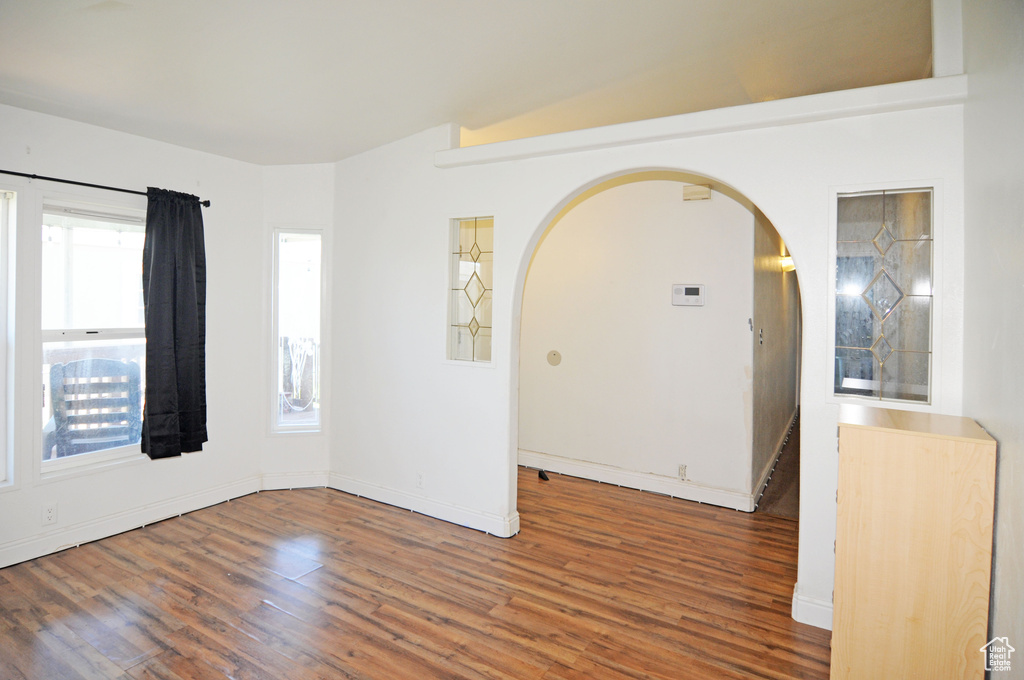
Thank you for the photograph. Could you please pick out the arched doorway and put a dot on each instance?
(620, 381)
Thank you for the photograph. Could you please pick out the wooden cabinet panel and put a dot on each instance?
(913, 545)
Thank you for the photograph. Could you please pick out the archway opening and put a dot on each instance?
(659, 340)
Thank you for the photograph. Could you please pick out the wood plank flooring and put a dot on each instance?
(601, 582)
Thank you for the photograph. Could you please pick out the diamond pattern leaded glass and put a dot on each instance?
(883, 240)
(474, 289)
(884, 295)
(472, 260)
(881, 349)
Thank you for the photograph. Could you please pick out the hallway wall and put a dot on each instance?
(776, 343)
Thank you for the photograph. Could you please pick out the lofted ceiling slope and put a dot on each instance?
(310, 81)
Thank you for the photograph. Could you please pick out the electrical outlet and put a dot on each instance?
(50, 514)
(682, 472)
(419, 480)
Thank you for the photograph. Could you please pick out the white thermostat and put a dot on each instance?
(688, 294)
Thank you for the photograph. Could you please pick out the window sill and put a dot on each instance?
(288, 431)
(473, 364)
(84, 464)
(903, 404)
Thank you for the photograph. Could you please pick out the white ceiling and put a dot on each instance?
(308, 81)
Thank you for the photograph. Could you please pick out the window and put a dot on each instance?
(883, 296)
(472, 276)
(93, 332)
(6, 203)
(297, 286)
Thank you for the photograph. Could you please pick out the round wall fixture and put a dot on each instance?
(554, 357)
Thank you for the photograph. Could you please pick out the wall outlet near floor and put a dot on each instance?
(419, 480)
(50, 514)
(682, 472)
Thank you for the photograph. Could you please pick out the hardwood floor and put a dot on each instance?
(601, 582)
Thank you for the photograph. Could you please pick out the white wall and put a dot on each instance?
(401, 411)
(775, 346)
(401, 408)
(643, 386)
(296, 197)
(102, 502)
(994, 251)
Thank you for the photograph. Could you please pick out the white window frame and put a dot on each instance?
(275, 369)
(454, 222)
(7, 206)
(937, 400)
(86, 207)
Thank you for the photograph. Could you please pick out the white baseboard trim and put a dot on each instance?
(295, 480)
(763, 481)
(811, 611)
(644, 481)
(60, 538)
(473, 519)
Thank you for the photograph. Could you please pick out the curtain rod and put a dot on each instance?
(84, 184)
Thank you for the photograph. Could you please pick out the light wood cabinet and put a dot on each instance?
(913, 545)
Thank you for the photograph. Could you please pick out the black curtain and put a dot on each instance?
(174, 294)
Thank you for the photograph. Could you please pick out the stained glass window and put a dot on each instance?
(472, 267)
(884, 295)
